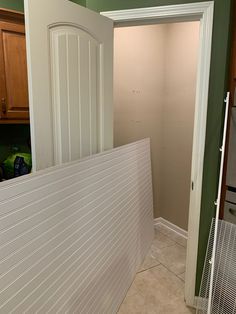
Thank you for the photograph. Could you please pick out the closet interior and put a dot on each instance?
(155, 71)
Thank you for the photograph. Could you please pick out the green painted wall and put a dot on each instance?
(17, 5)
(218, 83)
(81, 2)
(107, 5)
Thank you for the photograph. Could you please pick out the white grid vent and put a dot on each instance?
(224, 283)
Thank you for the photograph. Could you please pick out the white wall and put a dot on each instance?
(154, 94)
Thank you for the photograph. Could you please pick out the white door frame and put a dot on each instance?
(202, 11)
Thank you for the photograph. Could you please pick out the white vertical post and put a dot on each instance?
(217, 203)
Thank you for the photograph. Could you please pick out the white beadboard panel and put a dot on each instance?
(72, 237)
(75, 56)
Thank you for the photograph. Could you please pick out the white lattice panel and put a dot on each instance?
(223, 299)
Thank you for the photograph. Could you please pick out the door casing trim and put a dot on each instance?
(203, 12)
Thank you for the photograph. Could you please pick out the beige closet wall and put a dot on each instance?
(154, 93)
(139, 91)
(178, 120)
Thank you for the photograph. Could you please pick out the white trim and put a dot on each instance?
(193, 10)
(202, 11)
(217, 203)
(169, 225)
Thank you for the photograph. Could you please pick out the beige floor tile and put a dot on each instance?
(173, 257)
(159, 292)
(171, 235)
(174, 306)
(178, 239)
(134, 304)
(161, 241)
(133, 290)
(169, 284)
(150, 260)
(158, 285)
(182, 276)
(159, 288)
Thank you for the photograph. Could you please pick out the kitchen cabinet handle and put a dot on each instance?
(232, 211)
(4, 106)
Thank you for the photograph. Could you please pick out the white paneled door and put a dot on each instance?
(70, 61)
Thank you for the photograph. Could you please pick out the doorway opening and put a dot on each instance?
(202, 12)
(155, 72)
(155, 75)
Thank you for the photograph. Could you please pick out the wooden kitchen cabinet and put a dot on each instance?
(14, 103)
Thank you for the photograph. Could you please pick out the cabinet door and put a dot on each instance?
(70, 62)
(14, 84)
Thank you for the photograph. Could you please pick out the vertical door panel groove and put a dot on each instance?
(75, 77)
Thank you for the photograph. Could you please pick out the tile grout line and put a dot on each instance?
(166, 269)
(160, 264)
(181, 279)
(142, 271)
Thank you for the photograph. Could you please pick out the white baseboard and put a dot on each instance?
(165, 223)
